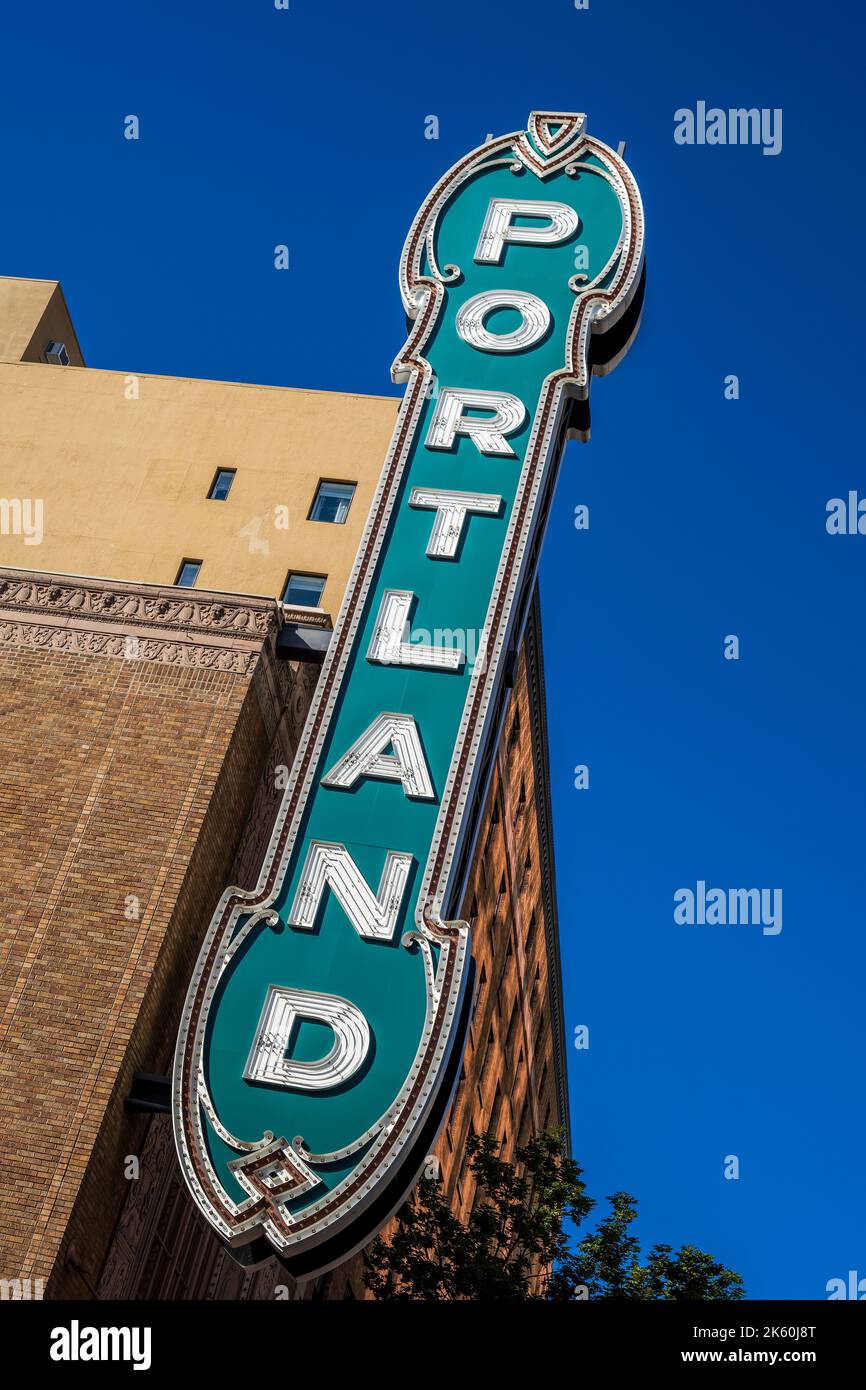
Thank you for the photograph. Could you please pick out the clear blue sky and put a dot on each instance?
(707, 516)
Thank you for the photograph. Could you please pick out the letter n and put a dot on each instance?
(331, 866)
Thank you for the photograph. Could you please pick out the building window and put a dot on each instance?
(187, 575)
(221, 485)
(525, 1125)
(495, 1112)
(514, 735)
(500, 899)
(541, 1092)
(530, 935)
(332, 502)
(488, 1053)
(304, 590)
(482, 985)
(527, 872)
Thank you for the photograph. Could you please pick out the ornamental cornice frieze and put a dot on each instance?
(101, 617)
(143, 604)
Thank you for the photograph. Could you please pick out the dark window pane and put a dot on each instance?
(304, 590)
(221, 484)
(332, 502)
(188, 573)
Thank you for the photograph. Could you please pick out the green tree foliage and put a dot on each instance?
(520, 1241)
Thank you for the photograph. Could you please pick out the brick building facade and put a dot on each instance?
(140, 741)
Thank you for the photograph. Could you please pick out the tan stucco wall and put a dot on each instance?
(32, 313)
(124, 482)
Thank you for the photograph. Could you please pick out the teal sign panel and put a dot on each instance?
(324, 1024)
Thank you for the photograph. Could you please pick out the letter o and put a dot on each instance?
(472, 316)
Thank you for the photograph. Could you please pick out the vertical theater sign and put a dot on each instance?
(324, 1025)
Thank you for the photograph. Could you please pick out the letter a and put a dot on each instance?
(368, 757)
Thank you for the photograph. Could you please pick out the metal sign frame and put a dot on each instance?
(280, 1186)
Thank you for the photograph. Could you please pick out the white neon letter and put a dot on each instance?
(331, 866)
(284, 1008)
(367, 758)
(488, 435)
(562, 223)
(388, 646)
(452, 509)
(471, 320)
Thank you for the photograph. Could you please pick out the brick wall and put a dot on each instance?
(127, 787)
